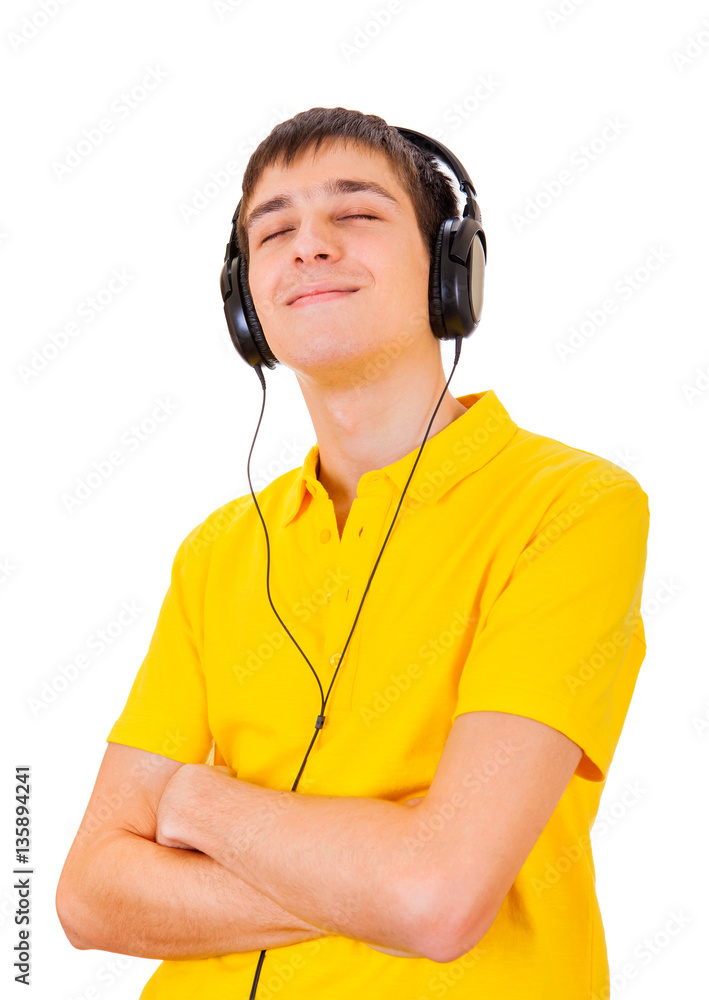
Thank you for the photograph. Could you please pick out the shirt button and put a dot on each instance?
(325, 535)
(334, 659)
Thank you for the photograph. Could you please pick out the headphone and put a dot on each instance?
(455, 299)
(456, 279)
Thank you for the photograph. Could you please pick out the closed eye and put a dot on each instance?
(281, 231)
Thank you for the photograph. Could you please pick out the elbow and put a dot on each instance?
(427, 928)
(67, 907)
(433, 928)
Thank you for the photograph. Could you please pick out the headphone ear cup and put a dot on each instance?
(252, 320)
(435, 294)
(478, 254)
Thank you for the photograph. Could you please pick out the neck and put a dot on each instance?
(373, 426)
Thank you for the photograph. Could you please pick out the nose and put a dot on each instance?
(316, 239)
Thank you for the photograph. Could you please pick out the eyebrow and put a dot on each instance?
(331, 187)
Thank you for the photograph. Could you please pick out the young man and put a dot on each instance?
(439, 834)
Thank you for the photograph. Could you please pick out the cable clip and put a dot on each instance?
(320, 722)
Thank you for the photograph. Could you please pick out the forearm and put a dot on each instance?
(339, 863)
(136, 897)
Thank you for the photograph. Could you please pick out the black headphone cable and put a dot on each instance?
(320, 721)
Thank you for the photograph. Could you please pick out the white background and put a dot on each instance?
(532, 90)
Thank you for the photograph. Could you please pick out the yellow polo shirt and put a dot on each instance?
(511, 582)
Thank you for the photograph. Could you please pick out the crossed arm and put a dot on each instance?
(275, 868)
(125, 888)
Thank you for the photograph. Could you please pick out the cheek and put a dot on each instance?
(262, 292)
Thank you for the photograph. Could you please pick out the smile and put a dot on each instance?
(305, 300)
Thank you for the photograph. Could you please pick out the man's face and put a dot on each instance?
(317, 236)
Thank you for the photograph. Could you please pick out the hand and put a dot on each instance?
(180, 802)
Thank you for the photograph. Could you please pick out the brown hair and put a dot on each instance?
(431, 191)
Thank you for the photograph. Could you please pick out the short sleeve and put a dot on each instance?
(564, 640)
(166, 710)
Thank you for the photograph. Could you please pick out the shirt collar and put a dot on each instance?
(464, 446)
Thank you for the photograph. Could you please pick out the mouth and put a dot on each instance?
(305, 300)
